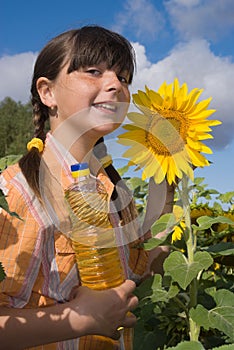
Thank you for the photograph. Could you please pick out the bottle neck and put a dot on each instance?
(80, 173)
(81, 178)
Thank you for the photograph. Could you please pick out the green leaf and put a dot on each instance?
(221, 249)
(188, 345)
(226, 197)
(9, 160)
(184, 272)
(220, 317)
(152, 243)
(2, 272)
(152, 287)
(198, 180)
(200, 315)
(4, 205)
(123, 170)
(173, 291)
(165, 222)
(225, 347)
(217, 206)
(135, 182)
(206, 222)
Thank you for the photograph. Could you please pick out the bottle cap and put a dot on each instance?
(79, 166)
(79, 169)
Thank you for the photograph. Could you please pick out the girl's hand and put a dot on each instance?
(103, 312)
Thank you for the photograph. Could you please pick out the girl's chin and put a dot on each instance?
(106, 128)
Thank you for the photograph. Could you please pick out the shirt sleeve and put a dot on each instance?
(20, 246)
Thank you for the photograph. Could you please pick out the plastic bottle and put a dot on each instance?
(93, 239)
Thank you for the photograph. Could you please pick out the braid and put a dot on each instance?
(30, 162)
(39, 122)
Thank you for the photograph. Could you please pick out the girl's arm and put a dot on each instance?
(160, 201)
(88, 312)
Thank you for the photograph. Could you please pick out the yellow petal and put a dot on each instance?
(137, 135)
(199, 107)
(162, 89)
(197, 158)
(183, 165)
(136, 149)
(192, 98)
(172, 171)
(205, 149)
(139, 119)
(155, 98)
(204, 136)
(141, 99)
(182, 95)
(202, 114)
(176, 87)
(150, 170)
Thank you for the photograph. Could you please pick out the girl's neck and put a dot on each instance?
(80, 146)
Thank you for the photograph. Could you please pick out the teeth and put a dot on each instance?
(107, 106)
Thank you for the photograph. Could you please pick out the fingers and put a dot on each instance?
(133, 302)
(127, 288)
(126, 292)
(129, 321)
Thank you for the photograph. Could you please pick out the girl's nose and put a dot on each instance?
(112, 82)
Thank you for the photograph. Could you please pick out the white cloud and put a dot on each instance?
(15, 73)
(141, 17)
(210, 19)
(196, 65)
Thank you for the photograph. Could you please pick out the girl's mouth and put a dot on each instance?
(106, 106)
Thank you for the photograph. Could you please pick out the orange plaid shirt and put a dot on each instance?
(35, 252)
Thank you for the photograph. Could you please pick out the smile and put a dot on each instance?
(106, 106)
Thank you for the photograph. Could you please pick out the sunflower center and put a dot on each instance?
(166, 133)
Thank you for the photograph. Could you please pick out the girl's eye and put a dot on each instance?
(93, 71)
(123, 79)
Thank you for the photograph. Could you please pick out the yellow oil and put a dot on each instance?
(97, 256)
(99, 268)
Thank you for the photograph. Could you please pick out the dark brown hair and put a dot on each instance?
(78, 48)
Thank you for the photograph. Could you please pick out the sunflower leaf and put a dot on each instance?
(220, 317)
(8, 160)
(165, 222)
(123, 170)
(184, 272)
(226, 197)
(221, 249)
(153, 243)
(152, 287)
(4, 205)
(205, 222)
(188, 345)
(2, 272)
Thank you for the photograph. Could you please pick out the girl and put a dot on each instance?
(81, 86)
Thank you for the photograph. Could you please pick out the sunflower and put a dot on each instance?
(180, 227)
(201, 210)
(178, 232)
(166, 138)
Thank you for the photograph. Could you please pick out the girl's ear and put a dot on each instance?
(45, 91)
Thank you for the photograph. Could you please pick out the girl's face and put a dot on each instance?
(100, 94)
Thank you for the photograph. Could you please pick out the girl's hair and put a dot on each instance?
(86, 46)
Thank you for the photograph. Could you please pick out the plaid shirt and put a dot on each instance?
(36, 252)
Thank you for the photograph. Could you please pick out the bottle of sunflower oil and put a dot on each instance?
(93, 240)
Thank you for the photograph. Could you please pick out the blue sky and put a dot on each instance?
(188, 39)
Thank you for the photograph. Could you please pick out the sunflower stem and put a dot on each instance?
(191, 248)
